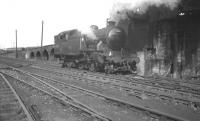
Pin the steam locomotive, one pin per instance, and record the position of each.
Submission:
(102, 50)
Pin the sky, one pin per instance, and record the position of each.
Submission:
(26, 17)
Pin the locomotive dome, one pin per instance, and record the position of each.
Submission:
(116, 38)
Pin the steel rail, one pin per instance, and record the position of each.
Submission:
(132, 88)
(140, 107)
(193, 91)
(77, 105)
(29, 116)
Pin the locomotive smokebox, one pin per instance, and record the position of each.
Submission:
(116, 38)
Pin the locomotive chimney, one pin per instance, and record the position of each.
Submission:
(110, 23)
(94, 27)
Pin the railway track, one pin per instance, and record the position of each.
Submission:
(139, 88)
(15, 62)
(157, 115)
(59, 97)
(168, 81)
(80, 77)
(12, 107)
(181, 86)
(193, 88)
(134, 77)
(156, 81)
(171, 83)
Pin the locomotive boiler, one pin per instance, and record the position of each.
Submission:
(104, 51)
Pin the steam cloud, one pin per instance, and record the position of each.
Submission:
(88, 31)
(121, 7)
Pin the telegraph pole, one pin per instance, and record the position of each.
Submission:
(16, 54)
(42, 35)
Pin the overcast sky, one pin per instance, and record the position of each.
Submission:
(59, 15)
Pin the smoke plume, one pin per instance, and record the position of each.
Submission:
(88, 32)
(122, 7)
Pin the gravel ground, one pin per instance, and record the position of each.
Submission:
(184, 111)
(168, 107)
(106, 107)
(48, 108)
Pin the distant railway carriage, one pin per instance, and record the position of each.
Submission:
(104, 52)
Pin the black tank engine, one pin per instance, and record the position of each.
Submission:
(102, 50)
